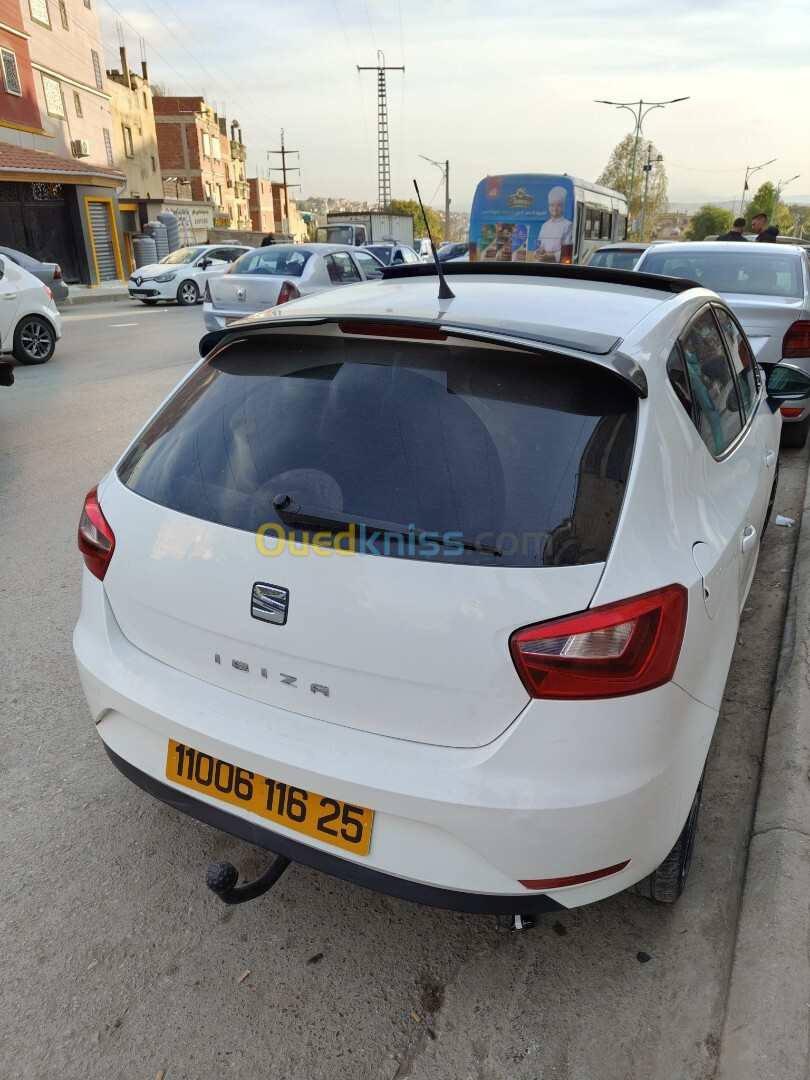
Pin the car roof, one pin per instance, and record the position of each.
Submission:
(572, 308)
(695, 247)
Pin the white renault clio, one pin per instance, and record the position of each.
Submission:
(439, 595)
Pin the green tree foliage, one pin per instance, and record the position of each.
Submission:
(434, 219)
(762, 203)
(617, 174)
(709, 221)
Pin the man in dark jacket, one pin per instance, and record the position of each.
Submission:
(766, 234)
(736, 231)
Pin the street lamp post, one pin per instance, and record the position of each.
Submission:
(639, 112)
(778, 192)
(445, 167)
(749, 171)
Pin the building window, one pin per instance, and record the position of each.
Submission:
(63, 14)
(54, 102)
(129, 149)
(207, 190)
(87, 3)
(11, 77)
(39, 11)
(145, 102)
(77, 102)
(206, 143)
(108, 147)
(154, 164)
(97, 69)
(219, 194)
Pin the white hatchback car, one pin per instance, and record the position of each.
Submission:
(182, 274)
(439, 595)
(30, 322)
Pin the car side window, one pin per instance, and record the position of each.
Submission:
(410, 256)
(346, 269)
(714, 390)
(679, 380)
(369, 265)
(742, 359)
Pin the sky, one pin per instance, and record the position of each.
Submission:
(492, 86)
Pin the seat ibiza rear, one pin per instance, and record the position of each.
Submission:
(406, 591)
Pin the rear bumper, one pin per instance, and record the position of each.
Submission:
(563, 791)
(217, 318)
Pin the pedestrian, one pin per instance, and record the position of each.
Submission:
(736, 231)
(766, 234)
(269, 239)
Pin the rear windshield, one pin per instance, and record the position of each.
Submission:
(617, 260)
(274, 260)
(734, 271)
(526, 454)
(382, 251)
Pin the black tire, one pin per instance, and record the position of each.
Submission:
(794, 436)
(34, 340)
(665, 884)
(149, 303)
(187, 294)
(772, 499)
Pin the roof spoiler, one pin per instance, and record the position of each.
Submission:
(626, 278)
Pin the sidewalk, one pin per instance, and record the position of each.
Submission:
(765, 1032)
(86, 294)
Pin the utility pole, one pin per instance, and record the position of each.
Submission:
(777, 192)
(284, 169)
(647, 170)
(639, 112)
(446, 174)
(383, 161)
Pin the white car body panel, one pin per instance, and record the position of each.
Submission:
(143, 279)
(22, 294)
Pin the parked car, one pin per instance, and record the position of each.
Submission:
(439, 598)
(621, 256)
(767, 286)
(30, 322)
(393, 254)
(275, 275)
(422, 248)
(449, 252)
(49, 273)
(182, 274)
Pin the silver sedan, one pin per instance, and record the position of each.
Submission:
(767, 286)
(278, 273)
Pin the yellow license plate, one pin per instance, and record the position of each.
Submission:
(233, 318)
(338, 823)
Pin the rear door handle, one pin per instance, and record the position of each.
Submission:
(770, 456)
(9, 295)
(748, 537)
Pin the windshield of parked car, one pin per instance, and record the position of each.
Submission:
(525, 454)
(276, 259)
(743, 272)
(183, 255)
(384, 252)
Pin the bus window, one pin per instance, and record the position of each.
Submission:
(604, 233)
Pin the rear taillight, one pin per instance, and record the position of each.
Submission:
(57, 273)
(797, 340)
(96, 539)
(287, 292)
(207, 293)
(610, 651)
(790, 412)
(392, 330)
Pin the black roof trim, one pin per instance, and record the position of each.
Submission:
(631, 278)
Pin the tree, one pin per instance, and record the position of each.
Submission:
(434, 219)
(762, 203)
(617, 174)
(709, 221)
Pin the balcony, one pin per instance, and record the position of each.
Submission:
(238, 151)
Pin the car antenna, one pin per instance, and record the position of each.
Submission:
(445, 292)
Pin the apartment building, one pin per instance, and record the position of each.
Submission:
(58, 200)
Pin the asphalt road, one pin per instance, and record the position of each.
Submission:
(119, 963)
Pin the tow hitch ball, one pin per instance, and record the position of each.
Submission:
(222, 877)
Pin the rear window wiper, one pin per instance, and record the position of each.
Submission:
(291, 513)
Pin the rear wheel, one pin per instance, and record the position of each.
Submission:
(794, 436)
(665, 884)
(187, 294)
(34, 340)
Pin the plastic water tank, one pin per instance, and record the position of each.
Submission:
(169, 219)
(144, 249)
(157, 230)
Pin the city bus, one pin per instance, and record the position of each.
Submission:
(541, 217)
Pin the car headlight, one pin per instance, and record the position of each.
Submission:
(167, 277)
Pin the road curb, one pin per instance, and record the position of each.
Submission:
(765, 1031)
(93, 296)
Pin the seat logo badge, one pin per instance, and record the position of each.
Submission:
(269, 603)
